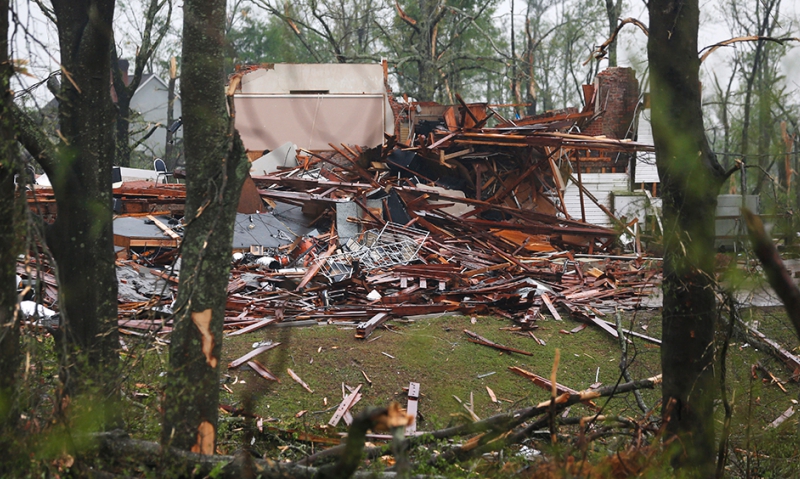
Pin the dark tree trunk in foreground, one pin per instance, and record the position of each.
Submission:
(690, 178)
(215, 167)
(10, 246)
(81, 239)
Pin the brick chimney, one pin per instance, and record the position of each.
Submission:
(616, 96)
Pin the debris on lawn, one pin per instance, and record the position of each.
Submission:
(299, 381)
(413, 403)
(467, 214)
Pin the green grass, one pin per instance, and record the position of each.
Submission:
(435, 352)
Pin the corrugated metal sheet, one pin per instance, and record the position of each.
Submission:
(646, 171)
(600, 185)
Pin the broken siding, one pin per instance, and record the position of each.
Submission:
(646, 171)
(600, 185)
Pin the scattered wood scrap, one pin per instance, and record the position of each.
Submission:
(478, 339)
(413, 404)
(262, 371)
(344, 406)
(546, 384)
(299, 381)
(247, 357)
(790, 360)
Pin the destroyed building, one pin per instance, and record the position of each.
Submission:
(367, 207)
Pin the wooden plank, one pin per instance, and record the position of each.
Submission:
(545, 383)
(346, 403)
(364, 329)
(253, 327)
(413, 403)
(783, 417)
(262, 371)
(166, 229)
(477, 339)
(550, 306)
(247, 357)
(789, 359)
(348, 416)
(314, 269)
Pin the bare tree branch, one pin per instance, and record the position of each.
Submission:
(777, 275)
(752, 38)
(31, 136)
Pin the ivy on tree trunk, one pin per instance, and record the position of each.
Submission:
(215, 169)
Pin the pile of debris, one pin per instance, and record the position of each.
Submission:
(461, 217)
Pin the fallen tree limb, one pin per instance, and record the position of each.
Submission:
(777, 274)
(478, 339)
(500, 422)
(180, 463)
(501, 438)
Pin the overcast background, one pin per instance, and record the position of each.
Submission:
(34, 39)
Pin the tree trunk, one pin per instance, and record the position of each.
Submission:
(690, 179)
(10, 245)
(123, 110)
(123, 126)
(613, 11)
(81, 238)
(169, 149)
(216, 167)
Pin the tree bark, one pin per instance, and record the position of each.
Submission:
(10, 246)
(613, 11)
(216, 167)
(125, 92)
(81, 238)
(170, 158)
(690, 179)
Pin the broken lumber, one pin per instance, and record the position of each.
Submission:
(247, 357)
(478, 339)
(364, 329)
(413, 403)
(253, 327)
(550, 306)
(780, 419)
(790, 360)
(299, 381)
(262, 371)
(546, 384)
(344, 406)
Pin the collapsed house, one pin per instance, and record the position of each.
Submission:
(461, 210)
(367, 208)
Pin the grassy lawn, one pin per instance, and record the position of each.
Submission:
(434, 352)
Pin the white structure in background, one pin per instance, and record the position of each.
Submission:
(311, 105)
(645, 170)
(150, 101)
(613, 190)
(601, 185)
